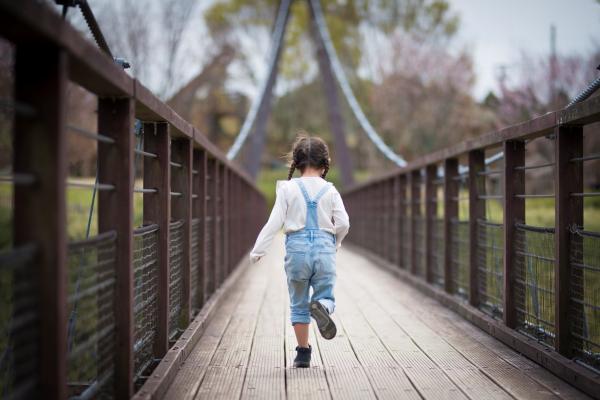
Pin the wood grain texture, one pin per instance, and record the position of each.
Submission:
(392, 343)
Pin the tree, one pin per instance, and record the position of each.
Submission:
(423, 101)
(150, 35)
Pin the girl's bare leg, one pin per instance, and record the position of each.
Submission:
(301, 331)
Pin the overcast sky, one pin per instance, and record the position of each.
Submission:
(496, 31)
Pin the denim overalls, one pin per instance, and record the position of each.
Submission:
(310, 262)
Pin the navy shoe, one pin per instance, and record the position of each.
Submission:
(324, 322)
(302, 359)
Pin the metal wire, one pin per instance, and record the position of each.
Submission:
(585, 296)
(459, 271)
(145, 153)
(91, 290)
(96, 186)
(145, 306)
(527, 167)
(10, 105)
(586, 194)
(175, 164)
(18, 179)
(196, 236)
(490, 266)
(146, 191)
(19, 324)
(595, 156)
(534, 282)
(90, 135)
(175, 277)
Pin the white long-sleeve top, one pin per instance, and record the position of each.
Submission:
(289, 212)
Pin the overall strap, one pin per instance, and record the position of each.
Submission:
(303, 190)
(323, 190)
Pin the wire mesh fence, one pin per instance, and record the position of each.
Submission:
(585, 296)
(175, 277)
(145, 302)
(459, 263)
(91, 322)
(490, 266)
(534, 282)
(437, 251)
(18, 324)
(195, 267)
(419, 245)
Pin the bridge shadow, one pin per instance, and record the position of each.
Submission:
(393, 342)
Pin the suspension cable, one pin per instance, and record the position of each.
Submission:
(347, 90)
(276, 42)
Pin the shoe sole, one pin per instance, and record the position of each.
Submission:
(324, 322)
(301, 365)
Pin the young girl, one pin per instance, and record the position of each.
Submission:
(315, 221)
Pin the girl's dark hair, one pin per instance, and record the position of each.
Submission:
(309, 152)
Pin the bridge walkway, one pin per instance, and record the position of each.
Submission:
(393, 342)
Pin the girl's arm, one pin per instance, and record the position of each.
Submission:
(340, 219)
(273, 225)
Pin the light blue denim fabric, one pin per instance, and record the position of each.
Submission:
(310, 262)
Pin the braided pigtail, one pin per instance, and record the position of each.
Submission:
(325, 171)
(292, 169)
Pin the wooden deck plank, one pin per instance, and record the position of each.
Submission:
(471, 336)
(265, 376)
(387, 378)
(514, 380)
(430, 380)
(188, 379)
(226, 372)
(345, 374)
(393, 342)
(304, 383)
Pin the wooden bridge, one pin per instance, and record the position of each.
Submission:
(438, 296)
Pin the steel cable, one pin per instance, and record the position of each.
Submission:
(276, 41)
(347, 90)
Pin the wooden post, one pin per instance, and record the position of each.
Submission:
(225, 211)
(514, 211)
(402, 258)
(181, 210)
(115, 212)
(568, 213)
(199, 209)
(39, 209)
(450, 213)
(218, 231)
(395, 245)
(209, 234)
(476, 212)
(430, 213)
(157, 210)
(415, 211)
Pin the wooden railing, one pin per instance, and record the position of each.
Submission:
(92, 317)
(456, 226)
